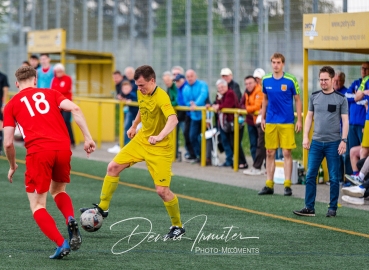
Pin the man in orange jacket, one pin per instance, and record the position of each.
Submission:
(253, 101)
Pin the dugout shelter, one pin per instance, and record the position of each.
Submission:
(343, 32)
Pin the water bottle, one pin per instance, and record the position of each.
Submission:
(321, 175)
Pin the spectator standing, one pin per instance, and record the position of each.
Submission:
(129, 73)
(280, 89)
(171, 88)
(227, 75)
(327, 107)
(4, 88)
(253, 102)
(118, 80)
(34, 61)
(63, 83)
(357, 111)
(195, 93)
(259, 73)
(177, 70)
(130, 112)
(339, 85)
(184, 119)
(226, 99)
(45, 73)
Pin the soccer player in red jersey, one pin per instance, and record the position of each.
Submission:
(36, 112)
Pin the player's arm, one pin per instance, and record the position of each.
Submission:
(10, 151)
(263, 111)
(67, 105)
(298, 104)
(131, 132)
(168, 128)
(307, 127)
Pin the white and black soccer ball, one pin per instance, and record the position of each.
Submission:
(91, 220)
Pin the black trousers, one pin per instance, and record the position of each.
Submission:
(67, 117)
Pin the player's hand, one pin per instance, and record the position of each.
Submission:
(342, 148)
(89, 147)
(298, 126)
(154, 139)
(11, 173)
(306, 143)
(263, 124)
(2, 110)
(131, 132)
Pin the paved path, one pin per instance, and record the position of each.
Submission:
(218, 175)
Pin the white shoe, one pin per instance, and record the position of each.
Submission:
(354, 191)
(353, 200)
(114, 150)
(252, 171)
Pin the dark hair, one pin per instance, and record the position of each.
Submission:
(249, 77)
(117, 72)
(327, 69)
(25, 73)
(147, 72)
(33, 56)
(278, 55)
(26, 63)
(44, 54)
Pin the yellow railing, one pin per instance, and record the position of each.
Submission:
(100, 121)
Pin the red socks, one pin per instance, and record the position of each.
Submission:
(48, 226)
(64, 203)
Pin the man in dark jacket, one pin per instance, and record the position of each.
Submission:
(227, 75)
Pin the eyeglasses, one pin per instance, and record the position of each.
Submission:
(324, 80)
(175, 74)
(364, 68)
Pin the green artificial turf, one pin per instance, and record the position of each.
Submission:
(282, 244)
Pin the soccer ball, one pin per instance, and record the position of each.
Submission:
(91, 220)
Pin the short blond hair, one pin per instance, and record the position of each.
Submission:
(278, 56)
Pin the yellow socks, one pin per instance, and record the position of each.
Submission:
(287, 183)
(173, 211)
(269, 184)
(109, 186)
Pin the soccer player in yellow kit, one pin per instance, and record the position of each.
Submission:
(152, 143)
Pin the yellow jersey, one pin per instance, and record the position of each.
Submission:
(155, 110)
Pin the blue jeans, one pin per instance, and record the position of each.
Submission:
(227, 142)
(128, 119)
(253, 137)
(195, 130)
(319, 150)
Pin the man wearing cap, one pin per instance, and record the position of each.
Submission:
(63, 83)
(259, 73)
(227, 75)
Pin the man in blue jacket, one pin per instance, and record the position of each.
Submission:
(195, 94)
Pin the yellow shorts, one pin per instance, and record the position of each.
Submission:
(158, 160)
(280, 135)
(365, 141)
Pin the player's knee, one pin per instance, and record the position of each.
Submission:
(114, 168)
(270, 153)
(287, 153)
(163, 192)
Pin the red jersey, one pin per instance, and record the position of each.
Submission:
(36, 112)
(63, 85)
